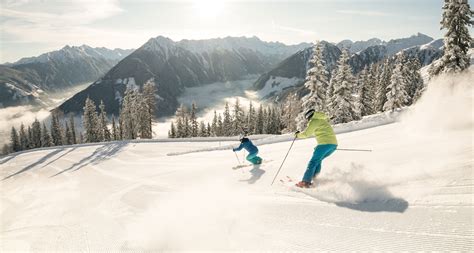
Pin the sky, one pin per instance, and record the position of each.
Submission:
(32, 27)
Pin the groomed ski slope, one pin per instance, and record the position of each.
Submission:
(413, 192)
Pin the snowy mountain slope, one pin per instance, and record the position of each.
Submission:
(412, 193)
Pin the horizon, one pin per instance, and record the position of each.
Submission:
(33, 27)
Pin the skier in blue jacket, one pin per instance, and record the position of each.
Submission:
(251, 148)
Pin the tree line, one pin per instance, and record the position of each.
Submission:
(383, 86)
(233, 121)
(134, 121)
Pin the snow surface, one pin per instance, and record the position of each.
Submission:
(276, 84)
(413, 192)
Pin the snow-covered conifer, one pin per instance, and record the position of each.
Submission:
(227, 121)
(14, 140)
(194, 123)
(72, 125)
(23, 137)
(457, 15)
(214, 125)
(317, 83)
(46, 140)
(238, 121)
(56, 130)
(36, 134)
(385, 74)
(259, 121)
(202, 129)
(396, 91)
(366, 92)
(343, 106)
(104, 132)
(250, 125)
(90, 122)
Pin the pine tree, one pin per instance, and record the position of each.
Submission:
(73, 129)
(68, 134)
(396, 91)
(220, 126)
(30, 137)
(120, 127)
(214, 125)
(227, 121)
(385, 73)
(56, 130)
(172, 132)
(194, 123)
(330, 92)
(366, 92)
(202, 129)
(415, 80)
(115, 130)
(238, 121)
(208, 130)
(179, 128)
(23, 138)
(187, 127)
(36, 134)
(90, 122)
(250, 124)
(343, 103)
(14, 140)
(456, 19)
(259, 122)
(128, 115)
(104, 132)
(149, 90)
(317, 83)
(45, 137)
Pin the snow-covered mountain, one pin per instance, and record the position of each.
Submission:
(292, 71)
(392, 46)
(358, 46)
(22, 81)
(72, 53)
(408, 194)
(177, 65)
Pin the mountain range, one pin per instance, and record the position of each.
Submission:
(23, 82)
(178, 65)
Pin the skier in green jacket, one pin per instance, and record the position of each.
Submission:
(318, 126)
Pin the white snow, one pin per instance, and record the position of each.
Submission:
(277, 84)
(413, 192)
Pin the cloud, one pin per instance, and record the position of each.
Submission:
(14, 116)
(39, 21)
(365, 13)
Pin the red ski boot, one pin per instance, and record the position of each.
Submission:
(303, 184)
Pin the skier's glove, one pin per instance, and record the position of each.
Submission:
(296, 133)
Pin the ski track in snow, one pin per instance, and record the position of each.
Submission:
(414, 192)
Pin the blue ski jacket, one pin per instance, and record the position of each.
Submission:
(248, 145)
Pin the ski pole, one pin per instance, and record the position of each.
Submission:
(236, 156)
(352, 149)
(283, 161)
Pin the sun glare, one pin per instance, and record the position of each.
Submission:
(208, 8)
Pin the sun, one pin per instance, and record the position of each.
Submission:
(208, 8)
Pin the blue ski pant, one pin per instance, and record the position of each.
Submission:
(314, 165)
(253, 158)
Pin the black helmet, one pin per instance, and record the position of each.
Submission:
(309, 114)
